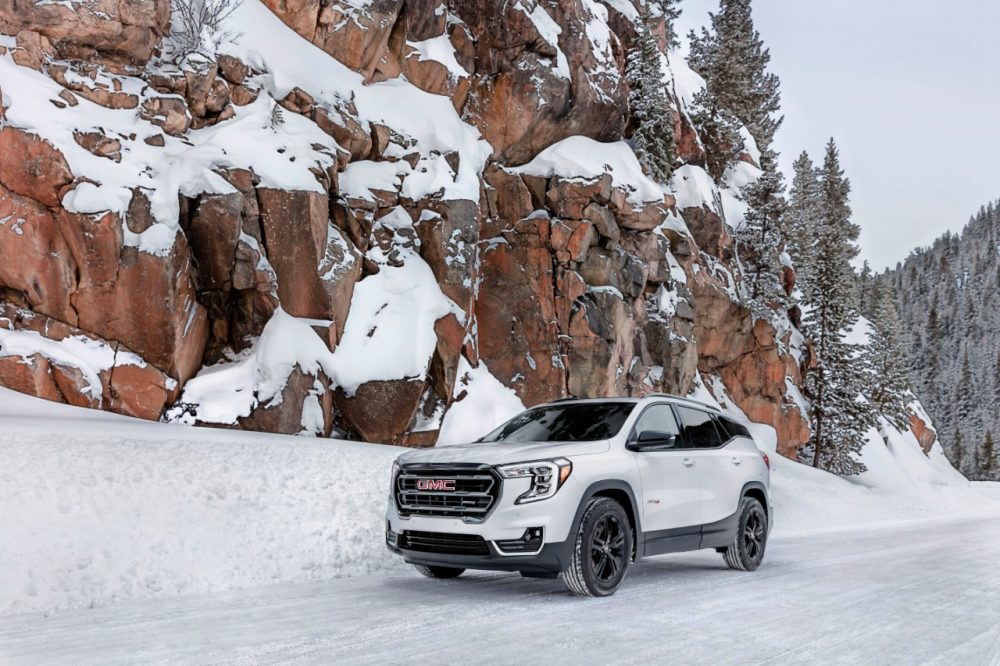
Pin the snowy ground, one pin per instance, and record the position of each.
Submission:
(123, 541)
(913, 595)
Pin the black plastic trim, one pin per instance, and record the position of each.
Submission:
(553, 558)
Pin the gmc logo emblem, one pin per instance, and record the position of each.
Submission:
(436, 484)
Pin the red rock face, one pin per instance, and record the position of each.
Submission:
(567, 286)
(284, 413)
(126, 387)
(39, 264)
(31, 167)
(317, 268)
(925, 434)
(118, 32)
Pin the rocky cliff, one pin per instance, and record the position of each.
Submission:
(377, 218)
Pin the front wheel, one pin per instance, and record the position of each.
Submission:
(746, 552)
(602, 552)
(438, 572)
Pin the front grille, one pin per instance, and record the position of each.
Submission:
(468, 492)
(439, 542)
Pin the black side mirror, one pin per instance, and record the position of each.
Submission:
(653, 440)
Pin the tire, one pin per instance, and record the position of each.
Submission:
(746, 552)
(438, 572)
(602, 552)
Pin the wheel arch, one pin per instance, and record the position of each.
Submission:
(756, 490)
(621, 492)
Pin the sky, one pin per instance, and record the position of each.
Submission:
(910, 90)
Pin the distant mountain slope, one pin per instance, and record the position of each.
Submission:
(949, 300)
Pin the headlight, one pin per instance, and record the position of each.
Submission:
(547, 476)
(392, 477)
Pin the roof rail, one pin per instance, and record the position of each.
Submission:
(682, 398)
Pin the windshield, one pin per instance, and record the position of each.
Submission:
(575, 422)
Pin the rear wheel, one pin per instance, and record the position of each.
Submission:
(602, 552)
(438, 572)
(746, 552)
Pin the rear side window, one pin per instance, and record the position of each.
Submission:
(732, 429)
(698, 429)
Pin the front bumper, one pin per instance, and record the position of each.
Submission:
(550, 560)
(506, 523)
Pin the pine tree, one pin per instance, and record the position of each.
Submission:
(671, 11)
(965, 394)
(652, 116)
(996, 384)
(884, 359)
(802, 219)
(759, 239)
(733, 61)
(840, 419)
(988, 456)
(957, 450)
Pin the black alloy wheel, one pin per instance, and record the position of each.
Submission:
(607, 548)
(603, 550)
(746, 551)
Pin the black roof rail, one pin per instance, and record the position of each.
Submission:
(681, 398)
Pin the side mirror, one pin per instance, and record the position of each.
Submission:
(653, 440)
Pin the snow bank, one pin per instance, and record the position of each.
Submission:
(389, 333)
(225, 392)
(483, 403)
(582, 157)
(102, 510)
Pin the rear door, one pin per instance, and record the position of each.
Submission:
(671, 494)
(722, 469)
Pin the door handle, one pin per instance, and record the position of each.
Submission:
(736, 461)
(688, 462)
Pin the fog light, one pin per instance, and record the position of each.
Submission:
(529, 543)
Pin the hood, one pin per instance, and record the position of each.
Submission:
(500, 453)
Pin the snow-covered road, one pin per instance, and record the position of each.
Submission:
(913, 594)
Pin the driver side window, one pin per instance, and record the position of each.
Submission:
(659, 418)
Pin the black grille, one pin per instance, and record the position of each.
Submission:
(438, 542)
(468, 492)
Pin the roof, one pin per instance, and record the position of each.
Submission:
(670, 396)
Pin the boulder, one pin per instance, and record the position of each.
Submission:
(33, 49)
(170, 113)
(316, 266)
(142, 300)
(32, 167)
(381, 411)
(44, 270)
(284, 413)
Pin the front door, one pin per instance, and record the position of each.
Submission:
(671, 493)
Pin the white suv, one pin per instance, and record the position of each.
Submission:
(582, 488)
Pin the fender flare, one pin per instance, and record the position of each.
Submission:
(601, 486)
(757, 485)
